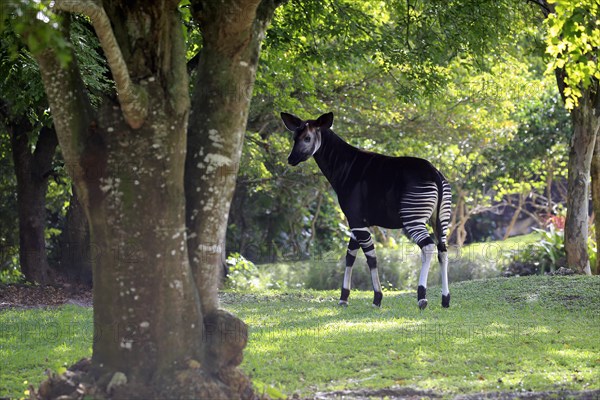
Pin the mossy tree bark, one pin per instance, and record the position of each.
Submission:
(126, 160)
(226, 70)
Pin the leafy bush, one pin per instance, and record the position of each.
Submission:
(548, 254)
(11, 273)
(245, 275)
(399, 267)
(242, 273)
(324, 275)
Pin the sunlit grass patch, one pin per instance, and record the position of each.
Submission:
(501, 334)
(35, 340)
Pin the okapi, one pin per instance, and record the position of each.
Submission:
(378, 190)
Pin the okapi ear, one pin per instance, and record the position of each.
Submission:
(325, 121)
(291, 121)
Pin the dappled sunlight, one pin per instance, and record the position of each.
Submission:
(482, 342)
(492, 338)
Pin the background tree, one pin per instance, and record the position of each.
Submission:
(595, 171)
(41, 213)
(573, 42)
(33, 143)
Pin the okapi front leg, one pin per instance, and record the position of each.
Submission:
(353, 247)
(363, 236)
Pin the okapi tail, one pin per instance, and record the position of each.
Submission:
(444, 210)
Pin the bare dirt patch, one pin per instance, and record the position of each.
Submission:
(32, 296)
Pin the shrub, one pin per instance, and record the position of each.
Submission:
(242, 273)
(548, 254)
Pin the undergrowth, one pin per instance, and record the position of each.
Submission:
(399, 265)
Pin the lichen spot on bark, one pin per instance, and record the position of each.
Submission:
(177, 285)
(215, 138)
(126, 343)
(215, 161)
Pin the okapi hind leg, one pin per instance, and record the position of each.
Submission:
(426, 255)
(353, 247)
(363, 236)
(443, 259)
(416, 210)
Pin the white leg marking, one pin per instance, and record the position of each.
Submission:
(444, 271)
(348, 278)
(370, 253)
(375, 279)
(426, 254)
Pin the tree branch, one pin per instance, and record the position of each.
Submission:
(133, 98)
(543, 5)
(71, 110)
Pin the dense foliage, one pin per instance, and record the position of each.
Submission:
(428, 79)
(493, 124)
(573, 41)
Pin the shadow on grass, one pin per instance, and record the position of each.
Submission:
(514, 334)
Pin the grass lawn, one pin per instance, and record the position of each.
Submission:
(35, 340)
(505, 334)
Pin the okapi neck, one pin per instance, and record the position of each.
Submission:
(335, 158)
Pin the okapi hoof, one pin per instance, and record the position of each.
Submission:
(446, 301)
(421, 297)
(377, 299)
(343, 303)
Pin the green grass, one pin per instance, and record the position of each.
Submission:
(34, 340)
(532, 333)
(505, 334)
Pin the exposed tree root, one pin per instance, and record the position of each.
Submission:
(193, 382)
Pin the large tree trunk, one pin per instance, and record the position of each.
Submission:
(226, 72)
(146, 303)
(596, 198)
(127, 163)
(586, 122)
(32, 170)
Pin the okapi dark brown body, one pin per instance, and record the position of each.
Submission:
(378, 190)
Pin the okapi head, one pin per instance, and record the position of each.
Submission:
(307, 135)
